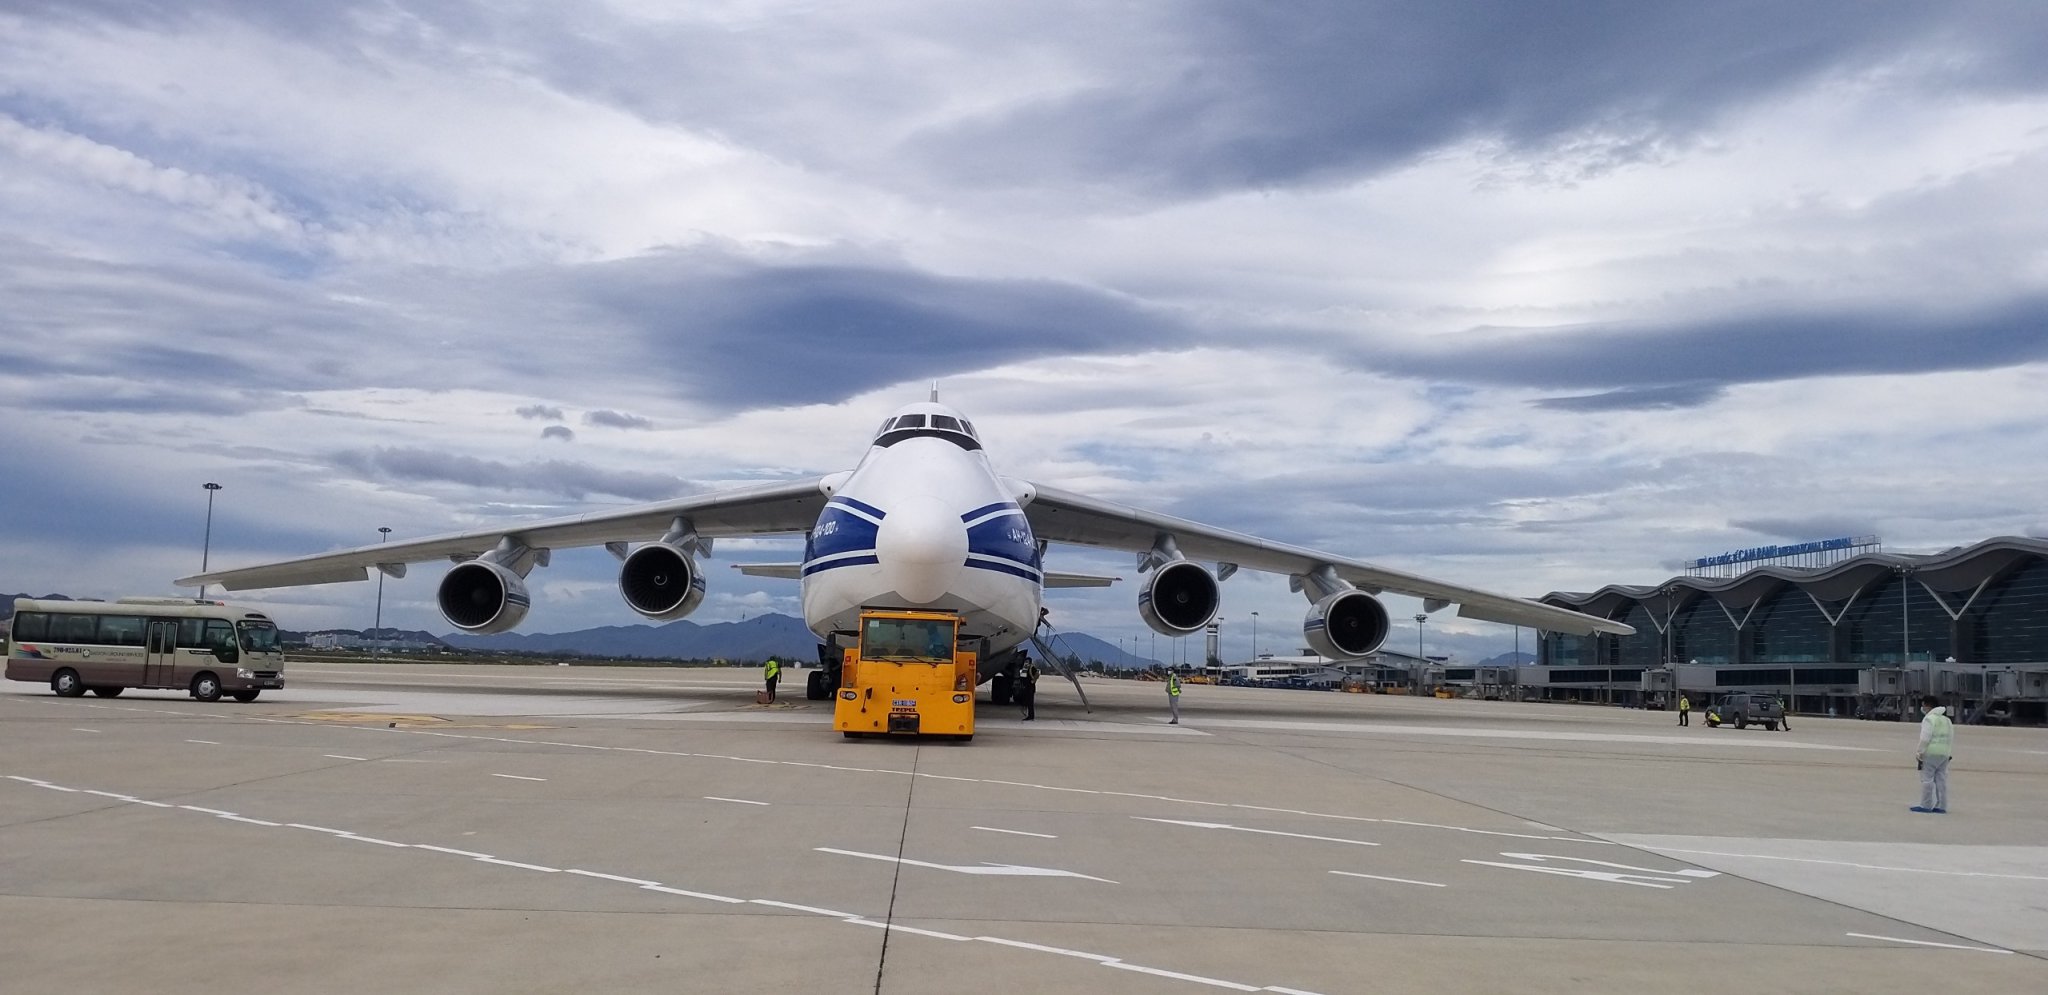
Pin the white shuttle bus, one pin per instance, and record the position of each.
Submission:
(206, 648)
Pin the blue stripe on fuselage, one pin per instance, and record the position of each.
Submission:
(850, 561)
(1006, 537)
(856, 505)
(985, 509)
(1005, 568)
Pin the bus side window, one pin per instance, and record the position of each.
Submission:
(74, 628)
(121, 630)
(31, 625)
(191, 633)
(219, 635)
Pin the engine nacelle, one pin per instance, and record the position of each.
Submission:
(661, 581)
(483, 598)
(1178, 599)
(1346, 625)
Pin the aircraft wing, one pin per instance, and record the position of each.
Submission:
(766, 509)
(1063, 516)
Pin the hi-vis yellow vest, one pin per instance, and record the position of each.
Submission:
(1942, 741)
(1173, 686)
(772, 670)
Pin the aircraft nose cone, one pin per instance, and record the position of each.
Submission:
(921, 545)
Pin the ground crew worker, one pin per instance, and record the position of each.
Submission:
(1027, 690)
(1937, 744)
(1173, 696)
(770, 672)
(1684, 710)
(1784, 716)
(1713, 718)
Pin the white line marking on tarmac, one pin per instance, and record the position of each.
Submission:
(737, 801)
(1854, 864)
(1177, 976)
(1016, 832)
(812, 909)
(77, 729)
(203, 742)
(607, 877)
(664, 889)
(514, 863)
(1248, 829)
(1041, 948)
(933, 933)
(338, 756)
(986, 868)
(1928, 943)
(871, 770)
(1376, 877)
(518, 777)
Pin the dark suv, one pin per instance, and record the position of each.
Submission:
(1743, 708)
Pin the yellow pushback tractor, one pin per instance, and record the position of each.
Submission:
(906, 675)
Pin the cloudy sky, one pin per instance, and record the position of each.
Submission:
(1534, 299)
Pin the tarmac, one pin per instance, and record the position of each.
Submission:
(450, 828)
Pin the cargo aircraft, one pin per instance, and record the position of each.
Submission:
(925, 522)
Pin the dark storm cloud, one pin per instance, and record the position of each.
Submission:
(1255, 95)
(1637, 398)
(547, 411)
(559, 477)
(604, 418)
(562, 432)
(742, 335)
(1802, 529)
(1677, 364)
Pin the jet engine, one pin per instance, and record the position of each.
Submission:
(1345, 625)
(1179, 598)
(483, 597)
(661, 581)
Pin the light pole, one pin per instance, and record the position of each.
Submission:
(384, 535)
(1420, 621)
(206, 546)
(1255, 637)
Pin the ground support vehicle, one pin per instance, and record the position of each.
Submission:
(206, 648)
(1744, 709)
(906, 675)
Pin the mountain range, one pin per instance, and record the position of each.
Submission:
(755, 638)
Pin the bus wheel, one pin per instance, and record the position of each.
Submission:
(108, 692)
(206, 687)
(66, 683)
(245, 696)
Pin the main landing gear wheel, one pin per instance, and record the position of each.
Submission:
(65, 683)
(206, 687)
(999, 689)
(814, 686)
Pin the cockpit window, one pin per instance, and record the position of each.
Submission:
(909, 421)
(946, 422)
(968, 427)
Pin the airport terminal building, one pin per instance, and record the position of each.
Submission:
(1855, 636)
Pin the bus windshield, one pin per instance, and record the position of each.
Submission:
(259, 637)
(907, 639)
